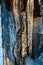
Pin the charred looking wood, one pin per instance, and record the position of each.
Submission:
(8, 4)
(22, 5)
(36, 9)
(25, 4)
(0, 2)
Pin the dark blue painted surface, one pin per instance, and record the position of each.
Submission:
(9, 32)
